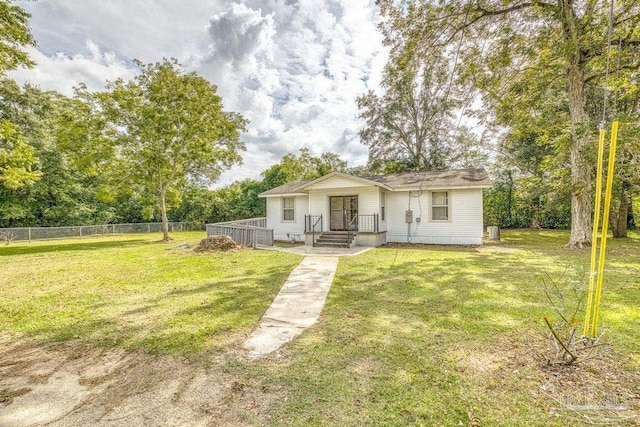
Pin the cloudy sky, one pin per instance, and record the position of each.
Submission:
(293, 68)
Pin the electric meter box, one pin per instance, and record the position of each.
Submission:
(408, 216)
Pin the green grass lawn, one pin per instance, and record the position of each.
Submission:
(417, 336)
(129, 291)
(454, 336)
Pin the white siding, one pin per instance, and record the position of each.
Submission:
(337, 182)
(465, 227)
(383, 223)
(368, 201)
(282, 228)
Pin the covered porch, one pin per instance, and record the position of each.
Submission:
(363, 223)
(361, 230)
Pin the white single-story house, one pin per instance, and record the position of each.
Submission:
(434, 207)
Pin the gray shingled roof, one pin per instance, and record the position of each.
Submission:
(455, 178)
(288, 188)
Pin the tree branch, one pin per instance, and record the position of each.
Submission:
(559, 341)
(628, 67)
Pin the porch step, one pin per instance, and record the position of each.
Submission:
(335, 240)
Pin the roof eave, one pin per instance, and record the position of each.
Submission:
(457, 187)
(344, 175)
(282, 195)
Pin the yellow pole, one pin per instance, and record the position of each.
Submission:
(594, 235)
(605, 227)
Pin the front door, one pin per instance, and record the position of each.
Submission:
(344, 212)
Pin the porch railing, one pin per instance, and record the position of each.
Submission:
(315, 224)
(251, 222)
(368, 223)
(243, 233)
(363, 223)
(352, 228)
(309, 221)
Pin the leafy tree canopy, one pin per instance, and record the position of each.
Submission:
(15, 35)
(168, 128)
(522, 54)
(17, 158)
(303, 166)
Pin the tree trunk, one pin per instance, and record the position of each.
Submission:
(631, 221)
(535, 223)
(619, 219)
(580, 168)
(165, 220)
(535, 220)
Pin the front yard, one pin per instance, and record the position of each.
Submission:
(409, 336)
(454, 336)
(133, 292)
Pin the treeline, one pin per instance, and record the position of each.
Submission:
(152, 147)
(67, 188)
(240, 199)
(57, 169)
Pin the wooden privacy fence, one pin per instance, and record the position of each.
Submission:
(243, 232)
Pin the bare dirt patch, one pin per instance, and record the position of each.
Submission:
(603, 390)
(217, 243)
(598, 391)
(78, 386)
(7, 394)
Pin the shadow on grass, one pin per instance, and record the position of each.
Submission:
(456, 289)
(428, 336)
(173, 321)
(63, 247)
(463, 292)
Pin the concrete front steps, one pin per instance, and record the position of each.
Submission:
(335, 239)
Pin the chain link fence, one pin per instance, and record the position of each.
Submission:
(43, 233)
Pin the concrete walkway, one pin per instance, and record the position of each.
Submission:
(310, 250)
(296, 307)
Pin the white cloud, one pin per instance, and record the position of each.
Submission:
(240, 33)
(62, 73)
(144, 29)
(309, 61)
(294, 68)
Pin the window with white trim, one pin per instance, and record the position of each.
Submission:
(383, 202)
(288, 208)
(440, 206)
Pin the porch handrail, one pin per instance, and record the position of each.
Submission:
(313, 229)
(309, 221)
(351, 228)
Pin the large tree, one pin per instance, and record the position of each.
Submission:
(412, 122)
(17, 157)
(168, 128)
(562, 40)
